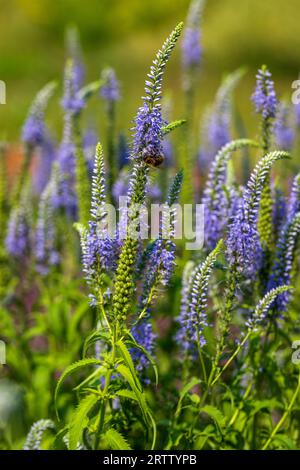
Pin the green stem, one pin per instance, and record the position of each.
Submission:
(237, 411)
(240, 346)
(284, 416)
(105, 390)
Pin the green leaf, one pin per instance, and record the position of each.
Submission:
(79, 420)
(129, 363)
(126, 394)
(93, 338)
(216, 415)
(194, 381)
(116, 441)
(172, 126)
(266, 405)
(125, 372)
(70, 370)
(284, 441)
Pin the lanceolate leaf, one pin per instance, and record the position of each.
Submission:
(116, 440)
(80, 419)
(70, 370)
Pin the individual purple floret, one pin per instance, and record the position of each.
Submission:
(110, 90)
(284, 133)
(264, 96)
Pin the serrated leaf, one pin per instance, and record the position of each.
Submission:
(116, 440)
(70, 370)
(79, 420)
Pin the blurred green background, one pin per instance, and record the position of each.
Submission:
(126, 33)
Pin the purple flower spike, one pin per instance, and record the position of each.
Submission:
(110, 90)
(284, 133)
(264, 96)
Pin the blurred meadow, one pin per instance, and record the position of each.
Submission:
(124, 34)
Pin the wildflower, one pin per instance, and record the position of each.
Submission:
(216, 132)
(99, 250)
(66, 196)
(72, 101)
(147, 137)
(264, 305)
(284, 133)
(18, 232)
(243, 242)
(46, 252)
(191, 42)
(148, 123)
(42, 170)
(193, 316)
(75, 54)
(264, 96)
(34, 130)
(35, 435)
(110, 90)
(281, 271)
(293, 205)
(217, 201)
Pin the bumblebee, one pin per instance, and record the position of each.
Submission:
(152, 158)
